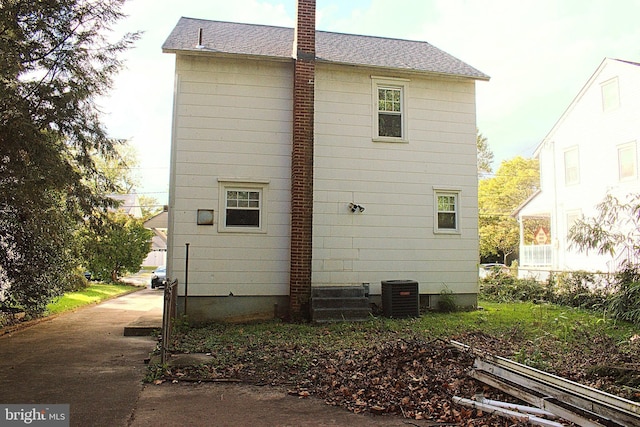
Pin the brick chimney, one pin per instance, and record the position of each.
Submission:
(304, 53)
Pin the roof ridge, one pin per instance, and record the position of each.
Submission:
(317, 31)
(270, 41)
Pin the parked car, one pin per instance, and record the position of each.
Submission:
(493, 267)
(159, 278)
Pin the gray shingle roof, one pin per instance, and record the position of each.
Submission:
(230, 38)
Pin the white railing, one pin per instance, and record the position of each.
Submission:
(536, 256)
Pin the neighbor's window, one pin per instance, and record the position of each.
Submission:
(242, 208)
(627, 161)
(571, 166)
(610, 95)
(572, 218)
(446, 211)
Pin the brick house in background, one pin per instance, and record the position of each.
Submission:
(303, 158)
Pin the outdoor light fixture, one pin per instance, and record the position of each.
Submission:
(356, 208)
(205, 216)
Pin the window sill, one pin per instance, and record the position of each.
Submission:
(392, 140)
(446, 232)
(241, 230)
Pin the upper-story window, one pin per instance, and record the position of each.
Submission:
(627, 161)
(571, 166)
(390, 112)
(610, 94)
(390, 118)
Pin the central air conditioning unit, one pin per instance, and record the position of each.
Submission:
(400, 298)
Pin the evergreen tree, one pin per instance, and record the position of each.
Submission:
(56, 61)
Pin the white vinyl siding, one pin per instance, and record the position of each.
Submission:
(232, 130)
(393, 238)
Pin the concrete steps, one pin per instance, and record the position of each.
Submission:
(339, 304)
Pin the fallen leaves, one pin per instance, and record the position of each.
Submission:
(397, 375)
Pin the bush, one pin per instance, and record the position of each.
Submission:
(580, 289)
(624, 302)
(76, 281)
(504, 287)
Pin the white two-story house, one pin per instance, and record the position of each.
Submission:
(591, 151)
(305, 158)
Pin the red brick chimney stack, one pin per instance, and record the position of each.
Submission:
(304, 53)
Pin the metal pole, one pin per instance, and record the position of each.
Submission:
(186, 277)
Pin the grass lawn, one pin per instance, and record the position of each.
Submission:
(527, 321)
(95, 293)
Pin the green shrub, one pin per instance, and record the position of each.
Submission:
(76, 282)
(447, 301)
(624, 302)
(580, 289)
(504, 287)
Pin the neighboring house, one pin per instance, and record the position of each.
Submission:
(350, 161)
(591, 151)
(129, 204)
(158, 224)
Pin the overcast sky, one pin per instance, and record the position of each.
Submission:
(539, 54)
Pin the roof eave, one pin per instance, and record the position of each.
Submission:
(211, 53)
(217, 54)
(405, 70)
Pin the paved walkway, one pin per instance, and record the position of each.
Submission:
(84, 359)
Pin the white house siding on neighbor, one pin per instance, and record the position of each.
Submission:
(588, 140)
(232, 121)
(394, 181)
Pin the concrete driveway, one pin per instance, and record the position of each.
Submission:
(83, 359)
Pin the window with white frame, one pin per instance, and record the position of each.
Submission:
(447, 211)
(610, 94)
(572, 217)
(627, 161)
(242, 207)
(571, 166)
(390, 115)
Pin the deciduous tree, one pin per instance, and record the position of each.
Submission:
(118, 247)
(514, 182)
